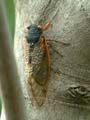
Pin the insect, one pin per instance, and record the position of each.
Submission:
(39, 61)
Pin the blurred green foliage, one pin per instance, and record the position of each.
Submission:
(10, 14)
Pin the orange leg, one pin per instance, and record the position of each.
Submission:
(47, 25)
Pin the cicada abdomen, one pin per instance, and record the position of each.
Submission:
(39, 62)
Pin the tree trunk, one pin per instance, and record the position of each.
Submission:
(68, 95)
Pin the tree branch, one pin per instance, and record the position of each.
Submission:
(11, 93)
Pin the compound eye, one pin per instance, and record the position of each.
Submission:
(40, 27)
(28, 27)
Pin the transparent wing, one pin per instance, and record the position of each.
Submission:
(40, 67)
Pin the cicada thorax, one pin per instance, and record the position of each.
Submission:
(40, 70)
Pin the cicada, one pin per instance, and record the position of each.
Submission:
(39, 61)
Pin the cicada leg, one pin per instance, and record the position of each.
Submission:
(62, 43)
(55, 50)
(47, 25)
(59, 42)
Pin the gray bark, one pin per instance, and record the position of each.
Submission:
(69, 90)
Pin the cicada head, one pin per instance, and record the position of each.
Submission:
(34, 33)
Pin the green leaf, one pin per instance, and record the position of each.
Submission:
(10, 15)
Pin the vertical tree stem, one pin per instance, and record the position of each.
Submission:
(11, 93)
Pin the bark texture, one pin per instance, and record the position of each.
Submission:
(69, 90)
